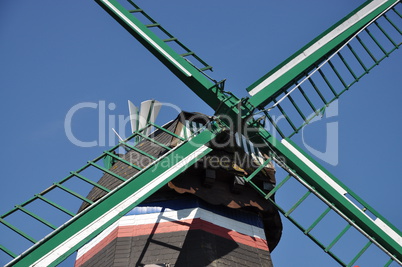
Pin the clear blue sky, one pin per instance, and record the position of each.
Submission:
(55, 54)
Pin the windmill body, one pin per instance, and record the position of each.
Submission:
(207, 215)
(362, 80)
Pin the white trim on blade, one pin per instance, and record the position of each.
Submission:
(320, 43)
(313, 167)
(146, 37)
(383, 226)
(98, 223)
(394, 235)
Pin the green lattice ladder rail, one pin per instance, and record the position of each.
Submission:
(338, 58)
(64, 238)
(322, 48)
(169, 38)
(308, 228)
(308, 92)
(205, 87)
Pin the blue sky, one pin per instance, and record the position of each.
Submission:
(57, 54)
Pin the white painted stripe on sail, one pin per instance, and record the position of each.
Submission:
(320, 43)
(146, 37)
(313, 167)
(388, 230)
(96, 240)
(394, 235)
(58, 251)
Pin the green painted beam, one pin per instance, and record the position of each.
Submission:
(267, 87)
(186, 72)
(335, 192)
(61, 243)
(221, 102)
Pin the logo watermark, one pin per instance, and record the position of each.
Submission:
(331, 152)
(108, 120)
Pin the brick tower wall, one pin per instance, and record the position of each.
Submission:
(183, 232)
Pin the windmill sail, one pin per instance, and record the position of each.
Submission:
(177, 62)
(104, 205)
(302, 86)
